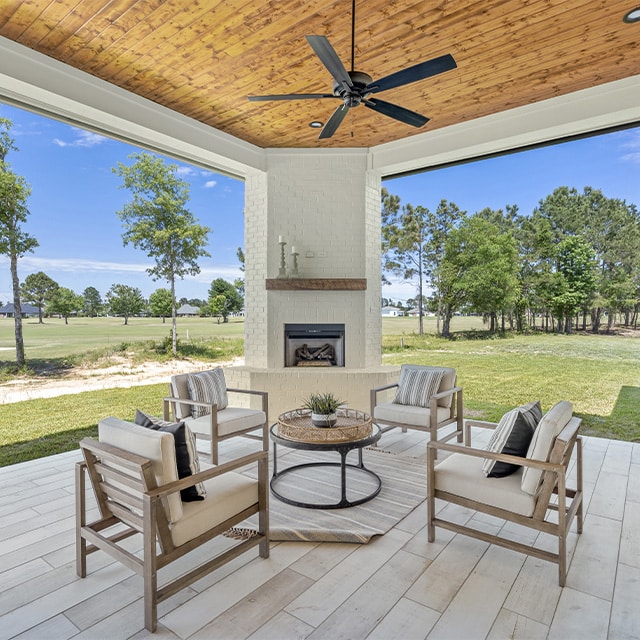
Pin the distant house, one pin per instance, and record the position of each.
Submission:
(188, 310)
(28, 310)
(391, 312)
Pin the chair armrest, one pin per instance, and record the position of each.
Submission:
(476, 423)
(446, 392)
(373, 395)
(206, 474)
(193, 403)
(491, 455)
(263, 394)
(384, 387)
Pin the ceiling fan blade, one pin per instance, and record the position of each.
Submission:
(334, 122)
(292, 96)
(396, 112)
(413, 74)
(330, 60)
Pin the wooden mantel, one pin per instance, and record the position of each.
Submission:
(322, 284)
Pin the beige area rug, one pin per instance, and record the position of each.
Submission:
(403, 489)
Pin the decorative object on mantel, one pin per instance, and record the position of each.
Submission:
(323, 407)
(294, 255)
(321, 284)
(282, 272)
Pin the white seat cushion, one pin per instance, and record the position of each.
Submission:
(230, 420)
(227, 495)
(405, 414)
(157, 446)
(462, 475)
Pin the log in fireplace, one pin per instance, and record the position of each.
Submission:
(314, 345)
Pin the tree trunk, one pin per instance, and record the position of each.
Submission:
(66, 319)
(17, 311)
(40, 321)
(446, 323)
(126, 319)
(174, 325)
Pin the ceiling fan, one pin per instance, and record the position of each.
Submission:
(356, 87)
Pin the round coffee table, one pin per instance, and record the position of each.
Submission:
(354, 430)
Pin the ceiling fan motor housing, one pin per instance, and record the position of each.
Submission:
(354, 95)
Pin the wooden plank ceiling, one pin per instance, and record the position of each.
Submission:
(203, 58)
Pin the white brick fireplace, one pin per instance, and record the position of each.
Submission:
(326, 205)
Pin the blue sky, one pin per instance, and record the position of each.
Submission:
(75, 196)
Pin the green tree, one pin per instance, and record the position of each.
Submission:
(14, 242)
(217, 306)
(232, 303)
(125, 301)
(611, 227)
(575, 280)
(65, 302)
(38, 288)
(405, 237)
(440, 224)
(160, 303)
(158, 222)
(480, 267)
(92, 302)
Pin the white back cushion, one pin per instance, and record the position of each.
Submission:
(548, 429)
(157, 446)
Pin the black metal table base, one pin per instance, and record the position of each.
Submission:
(342, 465)
(342, 449)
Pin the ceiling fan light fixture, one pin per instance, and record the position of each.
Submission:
(632, 16)
(316, 124)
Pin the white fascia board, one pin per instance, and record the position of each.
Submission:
(39, 83)
(609, 105)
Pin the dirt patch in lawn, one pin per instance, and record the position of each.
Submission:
(121, 374)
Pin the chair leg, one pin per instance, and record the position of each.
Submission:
(150, 572)
(562, 559)
(81, 543)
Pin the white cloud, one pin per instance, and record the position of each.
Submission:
(631, 142)
(79, 265)
(186, 171)
(82, 139)
(209, 184)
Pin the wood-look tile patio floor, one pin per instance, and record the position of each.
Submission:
(396, 587)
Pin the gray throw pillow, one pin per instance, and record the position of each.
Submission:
(207, 386)
(417, 386)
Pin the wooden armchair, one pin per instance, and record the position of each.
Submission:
(208, 414)
(134, 477)
(416, 407)
(524, 497)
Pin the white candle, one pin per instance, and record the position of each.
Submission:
(293, 249)
(280, 240)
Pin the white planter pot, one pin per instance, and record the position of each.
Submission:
(323, 420)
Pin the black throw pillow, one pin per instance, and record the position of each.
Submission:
(184, 459)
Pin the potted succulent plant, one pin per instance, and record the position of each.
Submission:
(323, 407)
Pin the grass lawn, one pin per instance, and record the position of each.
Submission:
(56, 340)
(600, 375)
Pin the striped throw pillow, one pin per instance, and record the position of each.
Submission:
(512, 436)
(416, 386)
(207, 386)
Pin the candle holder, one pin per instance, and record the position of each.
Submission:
(282, 272)
(294, 270)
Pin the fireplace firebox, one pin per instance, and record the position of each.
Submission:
(314, 345)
